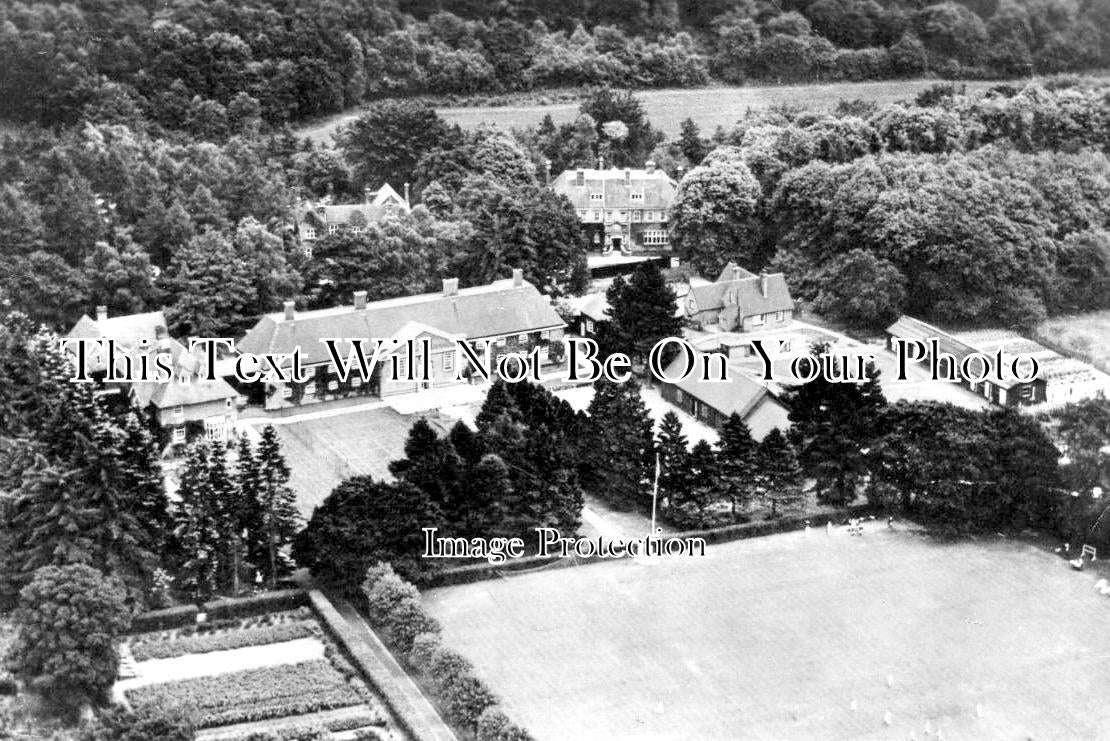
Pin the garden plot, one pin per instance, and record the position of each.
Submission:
(267, 673)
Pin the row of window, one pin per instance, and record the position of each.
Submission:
(758, 319)
(215, 428)
(622, 216)
(310, 231)
(179, 410)
(636, 195)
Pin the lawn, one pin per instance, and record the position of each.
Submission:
(1084, 335)
(709, 107)
(796, 637)
(323, 452)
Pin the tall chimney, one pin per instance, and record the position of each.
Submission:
(288, 306)
(627, 176)
(159, 332)
(650, 167)
(763, 284)
(580, 178)
(407, 204)
(450, 286)
(368, 194)
(738, 273)
(518, 277)
(101, 313)
(681, 170)
(360, 299)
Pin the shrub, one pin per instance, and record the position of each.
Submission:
(465, 699)
(171, 617)
(408, 620)
(494, 725)
(375, 573)
(423, 647)
(388, 592)
(447, 667)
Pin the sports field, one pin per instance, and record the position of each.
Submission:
(888, 636)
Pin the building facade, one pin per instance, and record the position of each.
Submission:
(621, 210)
(510, 314)
(741, 301)
(318, 220)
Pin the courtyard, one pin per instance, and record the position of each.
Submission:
(892, 635)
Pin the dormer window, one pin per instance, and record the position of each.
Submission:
(636, 196)
(597, 197)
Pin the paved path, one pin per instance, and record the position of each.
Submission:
(402, 681)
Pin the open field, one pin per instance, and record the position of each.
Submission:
(1084, 335)
(796, 637)
(709, 107)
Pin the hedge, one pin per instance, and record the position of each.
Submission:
(201, 643)
(482, 571)
(167, 619)
(240, 607)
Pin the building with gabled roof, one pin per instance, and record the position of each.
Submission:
(713, 402)
(740, 301)
(189, 406)
(317, 220)
(621, 210)
(130, 331)
(512, 314)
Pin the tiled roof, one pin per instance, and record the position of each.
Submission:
(760, 294)
(128, 330)
(740, 394)
(500, 308)
(731, 271)
(617, 187)
(193, 390)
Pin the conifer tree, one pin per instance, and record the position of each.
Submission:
(143, 479)
(674, 455)
(247, 485)
(227, 517)
(618, 451)
(779, 472)
(199, 527)
(278, 516)
(737, 456)
(641, 312)
(497, 402)
(703, 480)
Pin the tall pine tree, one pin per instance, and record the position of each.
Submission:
(277, 508)
(618, 451)
(674, 459)
(779, 473)
(737, 456)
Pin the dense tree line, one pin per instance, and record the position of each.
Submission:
(953, 208)
(212, 67)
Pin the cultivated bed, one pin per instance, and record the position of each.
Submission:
(796, 637)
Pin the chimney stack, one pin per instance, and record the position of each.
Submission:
(681, 170)
(518, 277)
(288, 306)
(450, 286)
(159, 332)
(627, 176)
(650, 167)
(360, 299)
(738, 273)
(763, 283)
(407, 204)
(101, 313)
(580, 178)
(368, 194)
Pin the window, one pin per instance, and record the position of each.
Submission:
(678, 395)
(178, 410)
(636, 196)
(214, 428)
(310, 389)
(582, 215)
(637, 215)
(654, 237)
(622, 216)
(178, 435)
(229, 402)
(595, 216)
(757, 319)
(598, 197)
(333, 385)
(356, 230)
(286, 392)
(663, 217)
(356, 381)
(522, 338)
(333, 228)
(608, 215)
(778, 316)
(448, 361)
(649, 216)
(310, 232)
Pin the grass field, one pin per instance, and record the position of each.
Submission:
(1083, 334)
(709, 107)
(796, 637)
